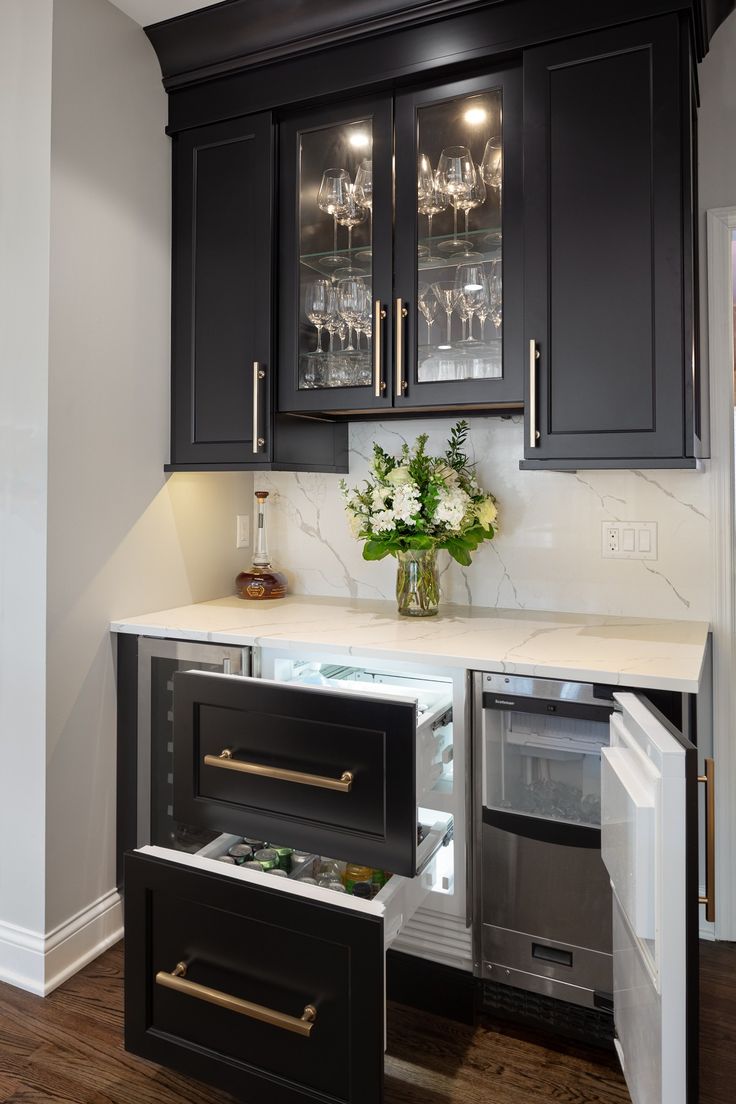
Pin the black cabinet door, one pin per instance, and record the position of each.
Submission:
(605, 247)
(330, 772)
(254, 962)
(221, 338)
(442, 357)
(335, 258)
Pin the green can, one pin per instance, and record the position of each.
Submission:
(267, 857)
(284, 854)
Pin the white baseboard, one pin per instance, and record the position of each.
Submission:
(39, 963)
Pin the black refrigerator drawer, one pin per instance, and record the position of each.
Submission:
(268, 995)
(329, 771)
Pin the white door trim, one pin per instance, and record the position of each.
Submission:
(720, 224)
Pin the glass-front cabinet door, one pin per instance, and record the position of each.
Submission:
(457, 305)
(336, 257)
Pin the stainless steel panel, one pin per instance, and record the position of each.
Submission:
(184, 651)
(581, 693)
(535, 983)
(560, 893)
(592, 970)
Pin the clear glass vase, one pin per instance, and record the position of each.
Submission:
(417, 584)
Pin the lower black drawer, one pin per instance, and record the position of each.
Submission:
(273, 993)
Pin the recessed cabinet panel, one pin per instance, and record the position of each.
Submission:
(603, 233)
(243, 945)
(222, 291)
(457, 308)
(329, 771)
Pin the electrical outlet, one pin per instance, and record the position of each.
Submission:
(242, 530)
(629, 540)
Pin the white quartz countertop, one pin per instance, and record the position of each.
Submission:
(626, 651)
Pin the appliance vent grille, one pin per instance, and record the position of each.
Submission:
(587, 1025)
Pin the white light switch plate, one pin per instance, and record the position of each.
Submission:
(629, 540)
(242, 530)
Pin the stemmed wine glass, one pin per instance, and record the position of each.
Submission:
(476, 197)
(447, 298)
(430, 201)
(492, 163)
(351, 214)
(471, 286)
(363, 190)
(495, 288)
(429, 306)
(352, 296)
(332, 198)
(455, 178)
(317, 306)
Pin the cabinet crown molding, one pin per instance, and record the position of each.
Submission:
(243, 34)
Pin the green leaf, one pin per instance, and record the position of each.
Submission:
(375, 550)
(459, 551)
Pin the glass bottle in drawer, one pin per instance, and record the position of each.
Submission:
(545, 766)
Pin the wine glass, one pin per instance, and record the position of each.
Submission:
(317, 306)
(447, 298)
(495, 289)
(352, 296)
(331, 198)
(492, 163)
(430, 201)
(471, 285)
(455, 177)
(429, 306)
(350, 215)
(476, 197)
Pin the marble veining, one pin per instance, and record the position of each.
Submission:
(628, 651)
(547, 555)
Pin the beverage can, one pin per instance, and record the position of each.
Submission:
(267, 858)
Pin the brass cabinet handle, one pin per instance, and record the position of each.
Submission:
(258, 375)
(379, 384)
(709, 781)
(533, 358)
(401, 314)
(343, 784)
(177, 980)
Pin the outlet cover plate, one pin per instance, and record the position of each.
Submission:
(629, 540)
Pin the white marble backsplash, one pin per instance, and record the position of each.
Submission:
(547, 555)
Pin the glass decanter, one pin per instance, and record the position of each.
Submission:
(262, 581)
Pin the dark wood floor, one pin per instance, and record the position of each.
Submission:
(67, 1049)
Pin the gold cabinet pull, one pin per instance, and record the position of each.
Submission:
(258, 375)
(343, 784)
(379, 384)
(533, 358)
(177, 980)
(709, 781)
(401, 314)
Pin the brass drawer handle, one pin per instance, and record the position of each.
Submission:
(176, 980)
(225, 759)
(709, 781)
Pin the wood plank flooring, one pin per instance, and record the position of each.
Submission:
(68, 1049)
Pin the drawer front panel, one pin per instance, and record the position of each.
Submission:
(263, 948)
(331, 772)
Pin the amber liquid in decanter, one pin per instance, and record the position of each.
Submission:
(262, 581)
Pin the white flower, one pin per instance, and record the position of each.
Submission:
(355, 521)
(382, 521)
(398, 476)
(379, 496)
(451, 508)
(447, 474)
(486, 512)
(406, 502)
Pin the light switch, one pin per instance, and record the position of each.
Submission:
(242, 530)
(627, 540)
(645, 540)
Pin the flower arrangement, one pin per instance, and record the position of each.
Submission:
(417, 502)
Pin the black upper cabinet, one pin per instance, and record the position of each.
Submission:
(412, 302)
(606, 199)
(221, 339)
(222, 412)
